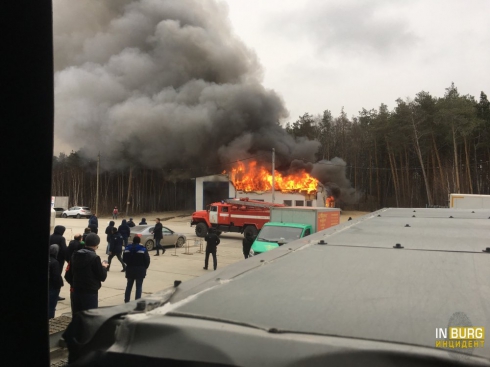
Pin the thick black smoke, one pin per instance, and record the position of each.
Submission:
(162, 83)
(166, 84)
(332, 175)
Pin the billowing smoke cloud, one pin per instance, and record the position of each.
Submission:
(332, 175)
(167, 84)
(162, 83)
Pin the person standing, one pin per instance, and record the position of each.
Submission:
(86, 274)
(114, 213)
(212, 241)
(137, 261)
(55, 280)
(116, 248)
(93, 224)
(74, 246)
(158, 235)
(57, 239)
(247, 243)
(86, 232)
(143, 222)
(131, 223)
(125, 231)
(108, 232)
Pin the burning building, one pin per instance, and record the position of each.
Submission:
(254, 181)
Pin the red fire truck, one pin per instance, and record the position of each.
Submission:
(233, 215)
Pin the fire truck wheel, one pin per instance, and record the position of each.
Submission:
(250, 231)
(201, 230)
(149, 245)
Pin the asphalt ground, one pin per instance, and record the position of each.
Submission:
(176, 264)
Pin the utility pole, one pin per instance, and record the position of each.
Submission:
(97, 189)
(273, 170)
(129, 189)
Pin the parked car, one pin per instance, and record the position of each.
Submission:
(170, 238)
(59, 212)
(77, 212)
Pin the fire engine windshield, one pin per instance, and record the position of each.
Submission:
(274, 234)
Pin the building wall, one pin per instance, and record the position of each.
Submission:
(290, 199)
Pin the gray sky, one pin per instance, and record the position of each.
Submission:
(320, 54)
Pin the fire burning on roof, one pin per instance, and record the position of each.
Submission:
(252, 177)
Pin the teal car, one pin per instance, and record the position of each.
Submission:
(275, 234)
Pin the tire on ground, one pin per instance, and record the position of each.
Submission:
(201, 229)
(180, 241)
(250, 231)
(149, 245)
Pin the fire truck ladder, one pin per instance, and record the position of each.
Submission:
(252, 203)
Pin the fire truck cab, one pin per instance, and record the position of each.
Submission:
(233, 215)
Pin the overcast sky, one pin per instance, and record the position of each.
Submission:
(320, 54)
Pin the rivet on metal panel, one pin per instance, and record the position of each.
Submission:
(407, 225)
(322, 242)
(398, 246)
(487, 250)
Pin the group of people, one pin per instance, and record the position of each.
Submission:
(85, 271)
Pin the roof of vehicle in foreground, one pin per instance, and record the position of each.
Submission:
(345, 294)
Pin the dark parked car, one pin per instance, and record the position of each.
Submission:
(59, 212)
(170, 238)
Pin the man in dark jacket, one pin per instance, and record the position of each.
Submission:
(115, 248)
(55, 280)
(57, 239)
(125, 231)
(108, 232)
(131, 223)
(212, 241)
(247, 243)
(93, 224)
(74, 246)
(143, 222)
(85, 275)
(137, 260)
(158, 235)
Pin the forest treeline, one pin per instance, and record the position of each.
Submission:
(413, 156)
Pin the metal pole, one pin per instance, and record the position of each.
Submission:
(97, 189)
(273, 170)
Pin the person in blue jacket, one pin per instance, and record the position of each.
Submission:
(137, 261)
(93, 224)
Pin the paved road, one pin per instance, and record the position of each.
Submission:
(163, 270)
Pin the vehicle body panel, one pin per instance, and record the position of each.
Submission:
(273, 234)
(170, 238)
(343, 295)
(78, 211)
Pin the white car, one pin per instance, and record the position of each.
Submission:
(77, 212)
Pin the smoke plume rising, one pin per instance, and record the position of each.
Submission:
(164, 84)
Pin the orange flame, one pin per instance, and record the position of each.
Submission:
(256, 178)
